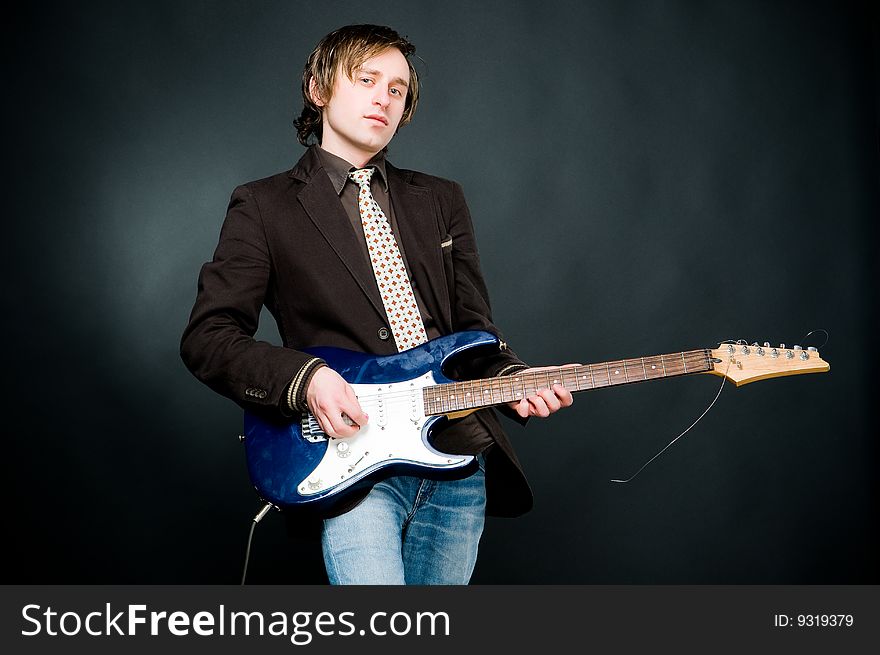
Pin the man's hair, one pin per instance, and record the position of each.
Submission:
(344, 50)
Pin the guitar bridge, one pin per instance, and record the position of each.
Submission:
(311, 430)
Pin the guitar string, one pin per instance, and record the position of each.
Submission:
(827, 336)
(696, 357)
(691, 357)
(706, 411)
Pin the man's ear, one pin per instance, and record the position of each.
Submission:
(313, 93)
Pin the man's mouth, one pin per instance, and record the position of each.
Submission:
(377, 117)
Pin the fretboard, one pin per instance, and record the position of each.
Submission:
(472, 394)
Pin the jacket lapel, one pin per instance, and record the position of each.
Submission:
(420, 235)
(321, 203)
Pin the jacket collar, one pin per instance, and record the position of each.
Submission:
(420, 226)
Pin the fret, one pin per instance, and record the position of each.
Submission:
(506, 394)
(572, 383)
(528, 384)
(453, 396)
(684, 362)
(600, 382)
(582, 378)
(516, 386)
(652, 363)
(486, 392)
(625, 373)
(570, 379)
(614, 377)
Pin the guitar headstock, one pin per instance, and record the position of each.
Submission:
(741, 363)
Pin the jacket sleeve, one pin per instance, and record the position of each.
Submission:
(471, 309)
(217, 344)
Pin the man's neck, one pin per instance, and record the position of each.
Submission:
(353, 156)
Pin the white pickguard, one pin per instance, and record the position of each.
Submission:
(394, 434)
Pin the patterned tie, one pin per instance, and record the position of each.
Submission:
(394, 287)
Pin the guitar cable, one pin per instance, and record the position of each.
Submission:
(257, 518)
(660, 452)
(705, 411)
(714, 400)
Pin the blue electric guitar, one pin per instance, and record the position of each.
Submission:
(408, 396)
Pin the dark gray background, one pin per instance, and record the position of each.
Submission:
(711, 171)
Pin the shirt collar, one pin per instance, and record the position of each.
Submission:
(337, 168)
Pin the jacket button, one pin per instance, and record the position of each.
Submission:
(384, 333)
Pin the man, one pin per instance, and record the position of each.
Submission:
(305, 244)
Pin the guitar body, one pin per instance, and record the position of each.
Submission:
(294, 465)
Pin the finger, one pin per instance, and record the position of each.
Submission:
(549, 396)
(521, 408)
(539, 407)
(338, 428)
(564, 395)
(353, 408)
(324, 423)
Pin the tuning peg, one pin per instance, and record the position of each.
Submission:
(812, 349)
(766, 344)
(796, 347)
(782, 345)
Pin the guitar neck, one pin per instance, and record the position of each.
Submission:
(457, 397)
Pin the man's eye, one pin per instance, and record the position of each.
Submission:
(366, 80)
(396, 92)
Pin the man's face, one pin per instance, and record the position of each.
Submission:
(362, 115)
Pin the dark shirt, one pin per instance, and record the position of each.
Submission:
(466, 435)
(338, 169)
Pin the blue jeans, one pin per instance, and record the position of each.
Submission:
(409, 530)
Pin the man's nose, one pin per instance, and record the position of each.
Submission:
(382, 98)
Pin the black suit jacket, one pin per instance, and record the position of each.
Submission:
(288, 243)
